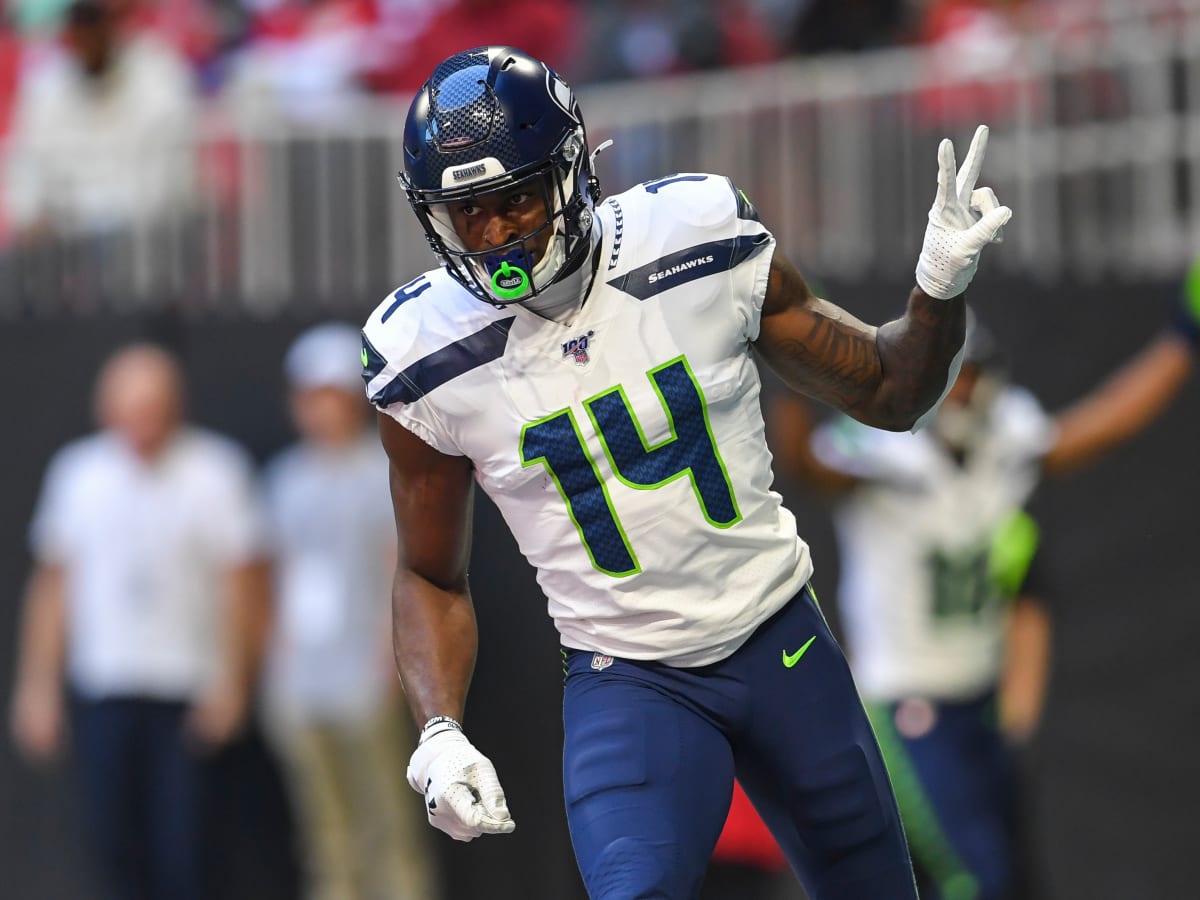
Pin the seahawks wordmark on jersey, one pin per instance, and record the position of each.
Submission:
(625, 447)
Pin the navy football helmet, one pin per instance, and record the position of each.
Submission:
(495, 118)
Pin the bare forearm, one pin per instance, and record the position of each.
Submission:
(885, 377)
(1026, 669)
(915, 354)
(247, 623)
(434, 638)
(42, 653)
(1122, 406)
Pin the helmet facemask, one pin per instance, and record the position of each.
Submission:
(521, 268)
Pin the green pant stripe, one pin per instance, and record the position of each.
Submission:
(817, 603)
(930, 847)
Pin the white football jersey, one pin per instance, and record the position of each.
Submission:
(920, 602)
(626, 447)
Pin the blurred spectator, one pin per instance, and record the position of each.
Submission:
(833, 26)
(724, 33)
(37, 15)
(332, 689)
(978, 59)
(546, 29)
(189, 26)
(146, 609)
(101, 135)
(306, 60)
(10, 65)
(651, 38)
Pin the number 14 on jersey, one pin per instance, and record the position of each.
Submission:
(690, 451)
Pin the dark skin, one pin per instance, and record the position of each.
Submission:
(884, 377)
(492, 220)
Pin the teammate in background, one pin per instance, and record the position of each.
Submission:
(591, 365)
(934, 547)
(333, 701)
(144, 623)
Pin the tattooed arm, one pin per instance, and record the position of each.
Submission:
(886, 376)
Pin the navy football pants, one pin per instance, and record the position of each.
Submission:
(651, 752)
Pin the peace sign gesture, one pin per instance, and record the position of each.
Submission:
(962, 221)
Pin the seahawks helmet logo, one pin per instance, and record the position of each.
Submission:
(560, 92)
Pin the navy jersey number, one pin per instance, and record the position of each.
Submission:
(688, 452)
(962, 585)
(653, 186)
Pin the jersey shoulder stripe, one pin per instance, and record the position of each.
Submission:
(683, 227)
(432, 371)
(426, 333)
(682, 266)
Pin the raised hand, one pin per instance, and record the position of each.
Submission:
(962, 221)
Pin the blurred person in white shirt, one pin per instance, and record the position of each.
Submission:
(101, 134)
(334, 703)
(144, 622)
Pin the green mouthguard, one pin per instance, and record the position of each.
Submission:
(510, 282)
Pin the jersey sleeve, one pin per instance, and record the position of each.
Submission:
(238, 532)
(393, 356)
(754, 248)
(691, 226)
(1013, 556)
(49, 530)
(750, 245)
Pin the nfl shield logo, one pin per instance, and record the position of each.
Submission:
(601, 662)
(577, 348)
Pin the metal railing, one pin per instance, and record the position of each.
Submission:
(1095, 143)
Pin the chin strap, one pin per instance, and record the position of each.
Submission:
(603, 146)
(593, 181)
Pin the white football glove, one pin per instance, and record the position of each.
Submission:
(962, 222)
(463, 796)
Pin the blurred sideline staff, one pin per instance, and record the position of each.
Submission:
(334, 705)
(101, 136)
(933, 548)
(147, 608)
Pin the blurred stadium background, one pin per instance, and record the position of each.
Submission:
(269, 203)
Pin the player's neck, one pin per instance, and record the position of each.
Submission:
(562, 301)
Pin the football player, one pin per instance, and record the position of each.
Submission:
(591, 364)
(935, 548)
